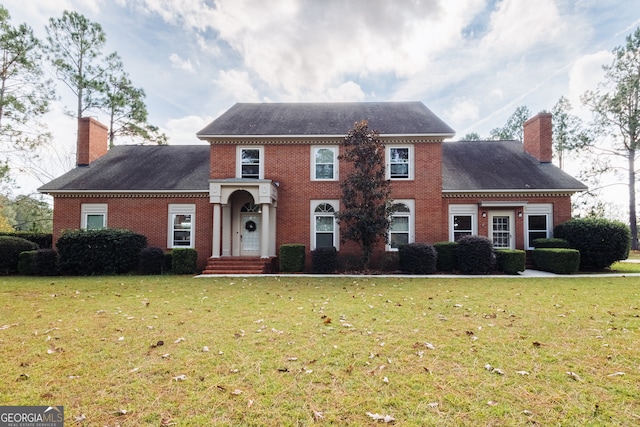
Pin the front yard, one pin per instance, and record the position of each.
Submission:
(174, 350)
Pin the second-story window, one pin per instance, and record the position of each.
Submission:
(251, 162)
(400, 162)
(324, 164)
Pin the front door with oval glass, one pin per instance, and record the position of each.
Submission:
(250, 235)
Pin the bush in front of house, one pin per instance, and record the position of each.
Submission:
(151, 260)
(552, 242)
(475, 255)
(292, 257)
(168, 261)
(417, 258)
(43, 240)
(511, 261)
(557, 260)
(25, 261)
(10, 249)
(446, 259)
(601, 242)
(45, 262)
(184, 261)
(105, 251)
(324, 260)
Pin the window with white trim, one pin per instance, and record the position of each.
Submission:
(401, 224)
(250, 162)
(400, 162)
(181, 225)
(93, 216)
(324, 228)
(324, 163)
(537, 222)
(463, 221)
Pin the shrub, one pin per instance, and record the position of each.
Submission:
(25, 262)
(105, 251)
(446, 260)
(184, 261)
(324, 260)
(168, 261)
(292, 257)
(10, 249)
(511, 261)
(553, 242)
(45, 262)
(601, 242)
(557, 260)
(475, 255)
(417, 258)
(43, 240)
(349, 262)
(151, 260)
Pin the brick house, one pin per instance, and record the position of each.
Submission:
(270, 175)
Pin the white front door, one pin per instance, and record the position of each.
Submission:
(250, 234)
(501, 229)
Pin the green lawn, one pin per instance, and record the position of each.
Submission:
(132, 350)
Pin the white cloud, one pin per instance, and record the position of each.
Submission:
(586, 73)
(181, 64)
(462, 110)
(237, 84)
(183, 131)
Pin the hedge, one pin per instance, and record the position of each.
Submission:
(552, 242)
(511, 261)
(292, 257)
(151, 260)
(10, 249)
(184, 261)
(324, 260)
(43, 240)
(417, 258)
(446, 260)
(475, 255)
(557, 260)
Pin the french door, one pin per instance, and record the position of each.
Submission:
(501, 225)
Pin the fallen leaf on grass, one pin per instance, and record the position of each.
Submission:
(180, 377)
(432, 405)
(383, 418)
(179, 340)
(492, 403)
(616, 374)
(317, 415)
(236, 392)
(80, 418)
(574, 376)
(523, 373)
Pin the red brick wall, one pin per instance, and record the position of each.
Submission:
(144, 215)
(92, 140)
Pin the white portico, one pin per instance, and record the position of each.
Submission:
(244, 217)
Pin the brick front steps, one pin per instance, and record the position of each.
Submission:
(240, 265)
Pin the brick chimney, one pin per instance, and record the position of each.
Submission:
(538, 137)
(92, 141)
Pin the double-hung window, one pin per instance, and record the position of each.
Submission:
(181, 225)
(537, 222)
(324, 233)
(93, 216)
(250, 162)
(401, 224)
(324, 163)
(463, 221)
(400, 162)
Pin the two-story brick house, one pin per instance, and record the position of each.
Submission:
(271, 175)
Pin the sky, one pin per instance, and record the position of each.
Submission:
(472, 62)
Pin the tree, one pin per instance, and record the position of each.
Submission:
(126, 109)
(75, 48)
(472, 136)
(365, 217)
(24, 92)
(569, 133)
(615, 105)
(514, 128)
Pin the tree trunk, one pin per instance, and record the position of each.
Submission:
(633, 225)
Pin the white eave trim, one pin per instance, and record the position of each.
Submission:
(320, 136)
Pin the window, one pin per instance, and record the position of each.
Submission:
(250, 162)
(324, 227)
(401, 226)
(93, 216)
(537, 222)
(463, 221)
(324, 164)
(400, 162)
(181, 226)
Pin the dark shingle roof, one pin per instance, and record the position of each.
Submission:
(499, 165)
(297, 119)
(144, 168)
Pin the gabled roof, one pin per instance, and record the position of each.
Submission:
(474, 166)
(325, 119)
(131, 168)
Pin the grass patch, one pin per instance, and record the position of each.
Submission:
(302, 351)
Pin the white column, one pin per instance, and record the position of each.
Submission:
(264, 233)
(226, 230)
(215, 247)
